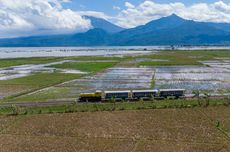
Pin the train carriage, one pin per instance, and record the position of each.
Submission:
(177, 93)
(117, 95)
(144, 94)
(99, 96)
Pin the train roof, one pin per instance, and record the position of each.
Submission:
(140, 91)
(125, 91)
(172, 89)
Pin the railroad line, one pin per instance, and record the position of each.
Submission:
(72, 101)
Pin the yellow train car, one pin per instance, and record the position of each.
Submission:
(91, 97)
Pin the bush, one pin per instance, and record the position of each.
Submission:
(50, 110)
(15, 110)
(121, 108)
(39, 111)
(153, 106)
(26, 112)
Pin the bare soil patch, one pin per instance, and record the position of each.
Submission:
(163, 130)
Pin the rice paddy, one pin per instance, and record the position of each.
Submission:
(191, 70)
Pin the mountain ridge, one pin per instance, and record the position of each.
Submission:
(103, 24)
(170, 30)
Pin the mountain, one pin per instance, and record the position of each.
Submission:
(171, 30)
(174, 30)
(103, 24)
(221, 26)
(160, 24)
(93, 37)
(164, 23)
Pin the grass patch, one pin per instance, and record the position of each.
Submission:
(22, 61)
(115, 106)
(183, 57)
(39, 81)
(94, 58)
(86, 67)
(45, 95)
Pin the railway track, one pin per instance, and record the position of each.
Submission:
(72, 101)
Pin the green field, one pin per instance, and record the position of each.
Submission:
(41, 79)
(22, 86)
(22, 61)
(52, 93)
(171, 58)
(86, 67)
(43, 60)
(116, 106)
(36, 82)
(16, 90)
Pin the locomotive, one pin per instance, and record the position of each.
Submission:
(91, 97)
(131, 95)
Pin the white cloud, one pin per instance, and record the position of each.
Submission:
(66, 1)
(94, 14)
(116, 8)
(148, 10)
(36, 17)
(221, 6)
(129, 5)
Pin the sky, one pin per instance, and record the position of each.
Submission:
(107, 6)
(41, 17)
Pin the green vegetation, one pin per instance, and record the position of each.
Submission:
(45, 95)
(94, 58)
(20, 87)
(41, 79)
(117, 106)
(43, 60)
(38, 81)
(171, 58)
(22, 61)
(174, 58)
(86, 67)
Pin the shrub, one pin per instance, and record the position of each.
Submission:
(39, 111)
(15, 110)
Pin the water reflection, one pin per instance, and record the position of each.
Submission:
(26, 70)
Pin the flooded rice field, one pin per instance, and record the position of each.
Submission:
(214, 76)
(110, 79)
(210, 77)
(119, 78)
(222, 64)
(26, 70)
(114, 79)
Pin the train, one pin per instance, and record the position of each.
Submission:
(131, 95)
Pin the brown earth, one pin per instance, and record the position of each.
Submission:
(166, 130)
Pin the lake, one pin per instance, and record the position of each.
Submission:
(17, 52)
